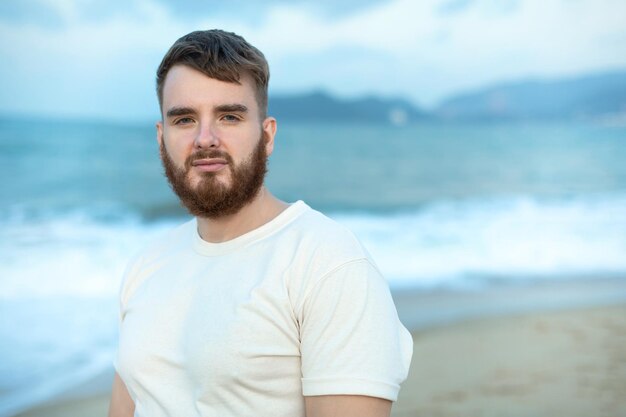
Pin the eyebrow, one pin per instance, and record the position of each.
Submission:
(223, 108)
(180, 111)
(226, 108)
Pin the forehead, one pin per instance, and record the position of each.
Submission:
(185, 86)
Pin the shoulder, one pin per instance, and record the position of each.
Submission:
(318, 248)
(324, 237)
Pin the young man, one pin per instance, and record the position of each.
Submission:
(255, 307)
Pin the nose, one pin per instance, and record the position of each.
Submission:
(208, 137)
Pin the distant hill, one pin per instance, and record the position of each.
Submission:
(322, 106)
(597, 96)
(586, 97)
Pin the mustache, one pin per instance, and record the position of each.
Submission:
(207, 154)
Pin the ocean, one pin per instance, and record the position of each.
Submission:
(439, 206)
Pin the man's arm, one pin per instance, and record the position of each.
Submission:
(346, 406)
(121, 404)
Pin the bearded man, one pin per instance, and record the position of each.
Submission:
(255, 307)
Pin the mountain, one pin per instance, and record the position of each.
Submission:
(322, 106)
(586, 97)
(596, 96)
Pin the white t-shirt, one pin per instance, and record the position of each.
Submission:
(249, 326)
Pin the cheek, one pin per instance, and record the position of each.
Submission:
(178, 150)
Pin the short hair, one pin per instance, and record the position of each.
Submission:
(222, 55)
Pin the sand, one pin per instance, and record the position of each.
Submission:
(567, 363)
(89, 407)
(559, 363)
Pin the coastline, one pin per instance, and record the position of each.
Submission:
(421, 309)
(537, 349)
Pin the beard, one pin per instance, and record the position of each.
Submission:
(211, 198)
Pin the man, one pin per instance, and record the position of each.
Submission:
(256, 307)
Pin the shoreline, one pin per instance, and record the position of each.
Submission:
(421, 309)
(491, 351)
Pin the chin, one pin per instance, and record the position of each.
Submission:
(195, 181)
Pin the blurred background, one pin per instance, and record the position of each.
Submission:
(476, 147)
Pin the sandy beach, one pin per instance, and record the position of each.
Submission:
(567, 362)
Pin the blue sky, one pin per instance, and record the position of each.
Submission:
(96, 59)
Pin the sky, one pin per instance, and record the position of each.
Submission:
(96, 59)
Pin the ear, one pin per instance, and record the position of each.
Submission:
(269, 128)
(159, 133)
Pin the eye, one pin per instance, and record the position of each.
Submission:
(184, 121)
(230, 118)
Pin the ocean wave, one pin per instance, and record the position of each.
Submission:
(440, 244)
(80, 253)
(465, 243)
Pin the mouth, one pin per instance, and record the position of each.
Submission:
(209, 164)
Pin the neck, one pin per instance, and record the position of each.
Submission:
(263, 208)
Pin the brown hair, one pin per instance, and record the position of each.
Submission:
(222, 55)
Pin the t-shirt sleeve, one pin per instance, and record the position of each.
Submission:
(352, 341)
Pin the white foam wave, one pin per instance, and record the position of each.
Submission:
(446, 243)
(72, 254)
(453, 243)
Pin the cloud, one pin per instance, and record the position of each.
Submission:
(30, 11)
(99, 58)
(252, 12)
(58, 14)
(54, 13)
(428, 55)
(453, 6)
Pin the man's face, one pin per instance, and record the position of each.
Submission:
(214, 146)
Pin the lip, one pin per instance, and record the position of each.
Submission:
(209, 164)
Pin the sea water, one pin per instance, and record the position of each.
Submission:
(438, 206)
